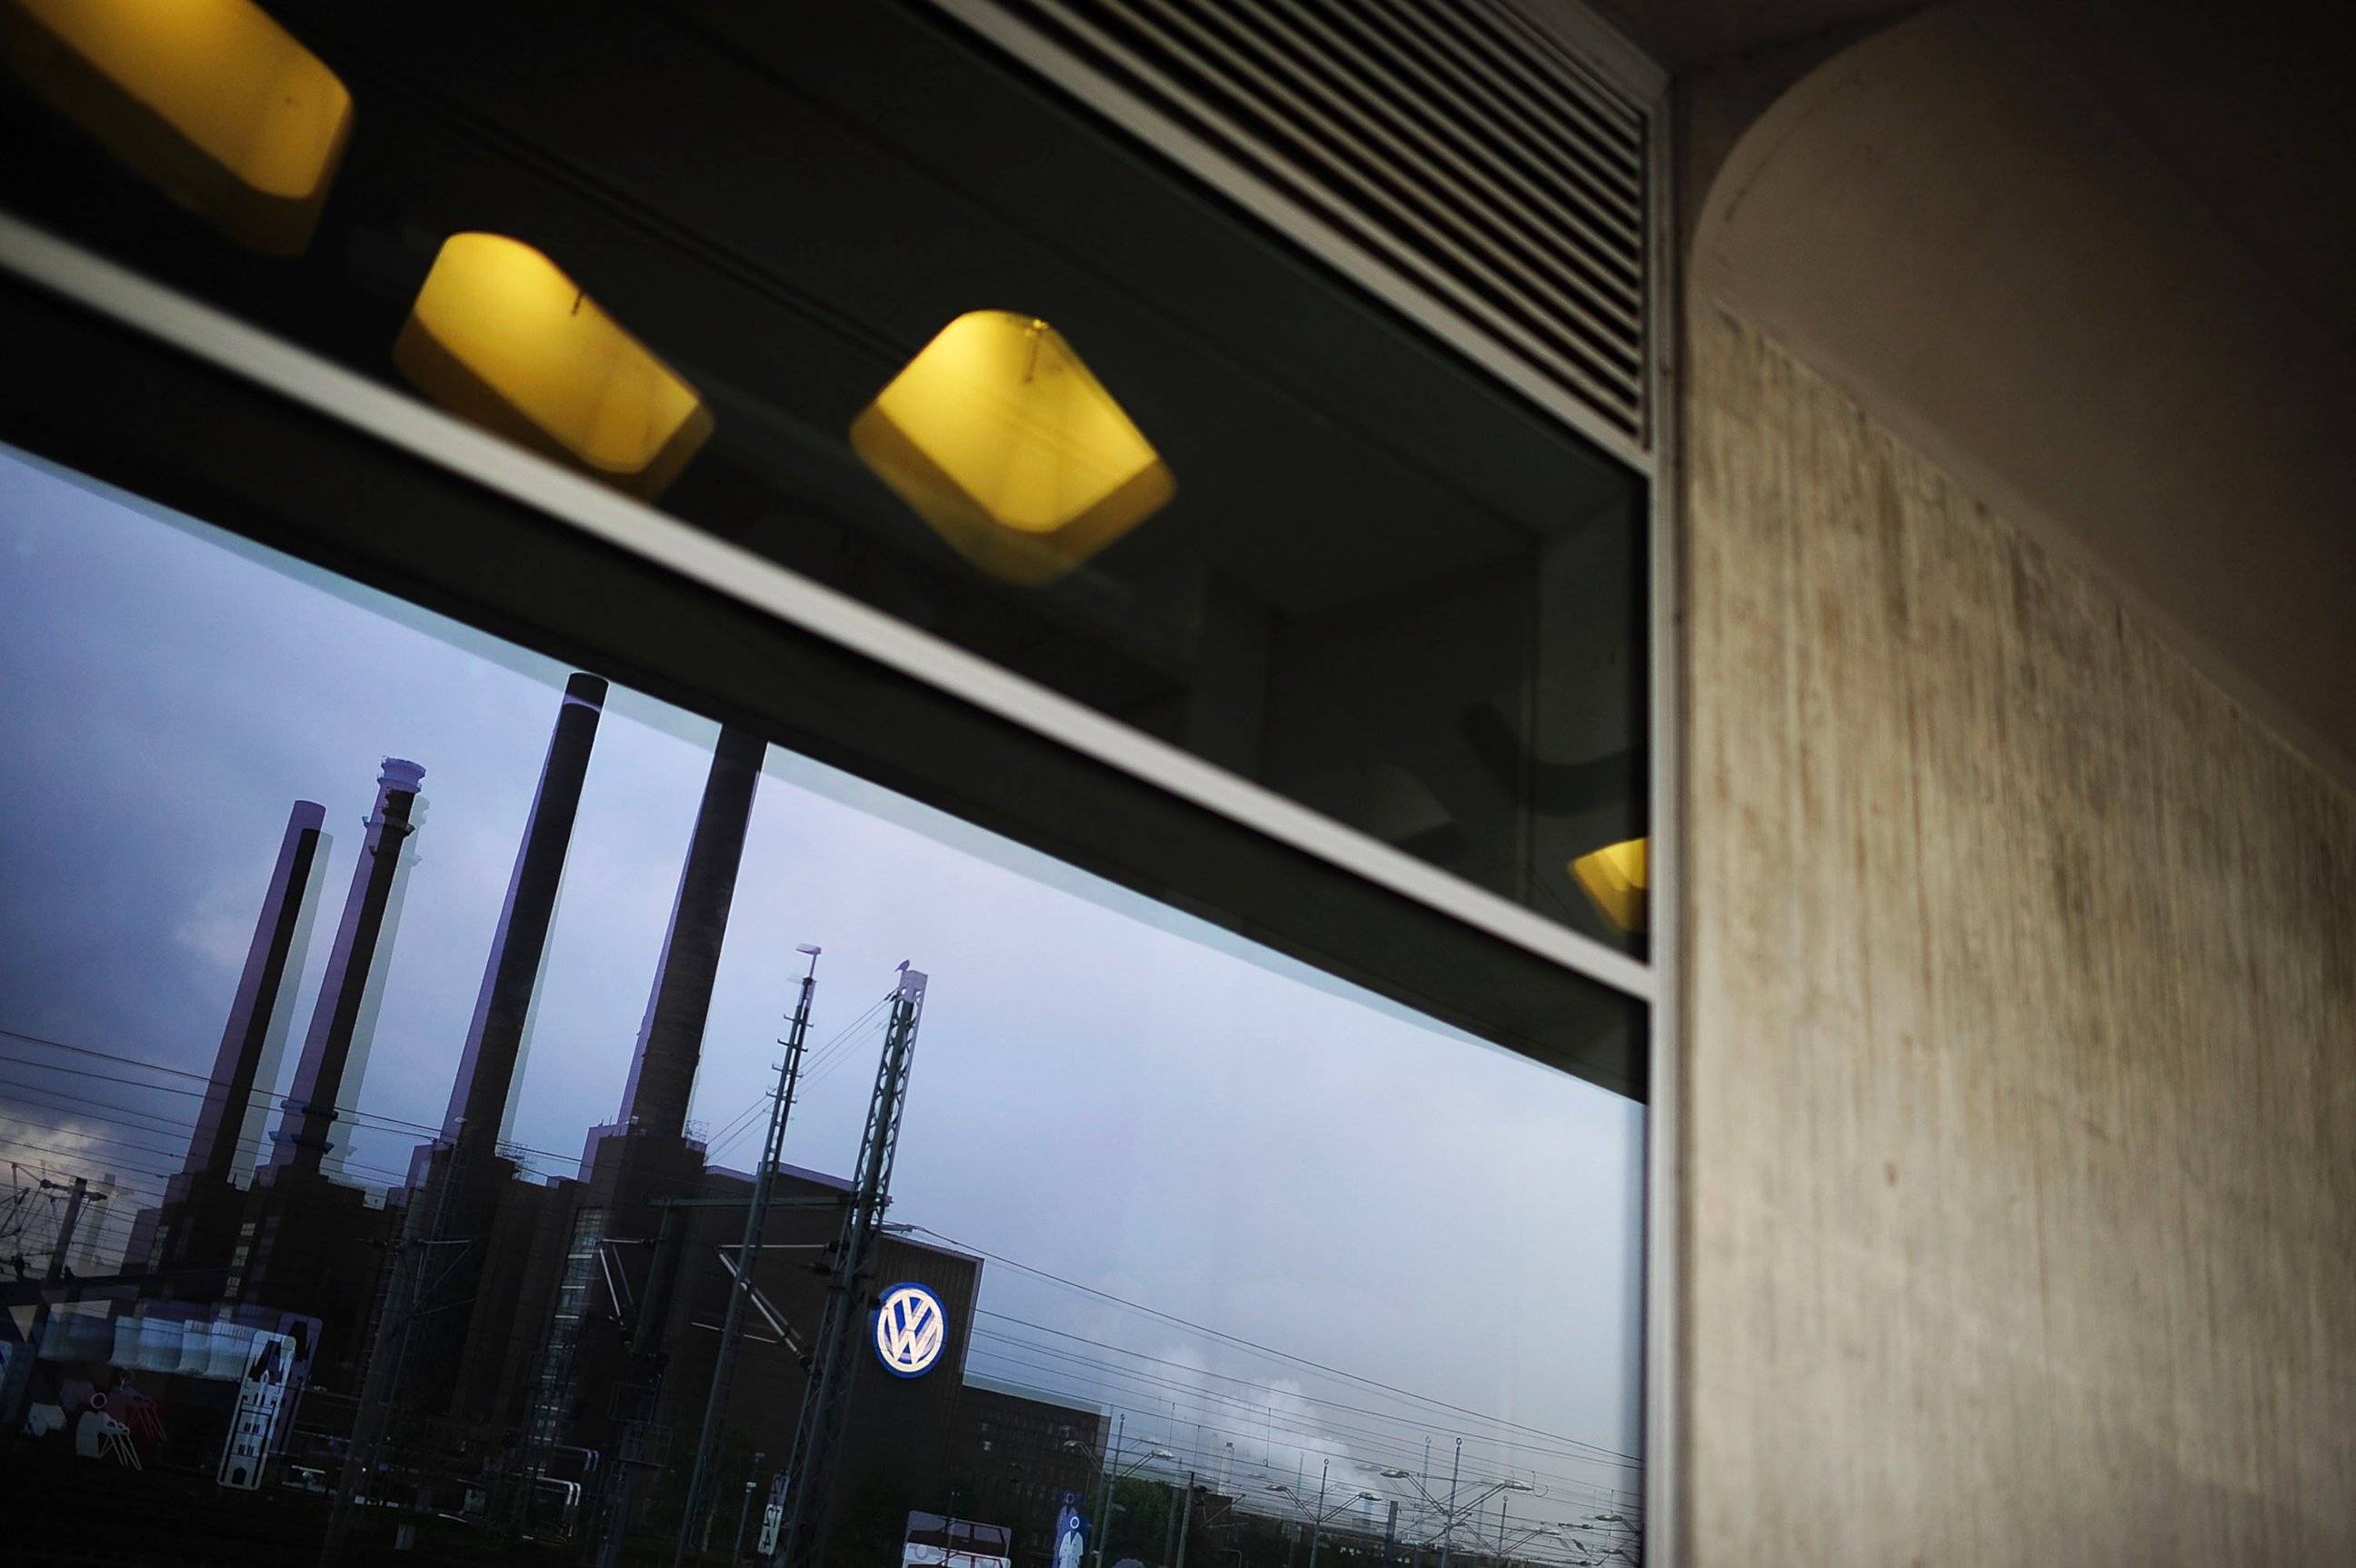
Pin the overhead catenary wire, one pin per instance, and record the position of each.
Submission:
(745, 1120)
(1219, 1409)
(1221, 1406)
(1270, 1425)
(78, 1157)
(182, 1129)
(1204, 1456)
(1197, 1371)
(838, 1051)
(1574, 1449)
(1284, 1355)
(376, 1119)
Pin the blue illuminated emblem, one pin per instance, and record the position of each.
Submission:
(910, 1329)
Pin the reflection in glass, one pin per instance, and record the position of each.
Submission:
(1383, 586)
(210, 101)
(998, 436)
(1617, 877)
(500, 336)
(1231, 1261)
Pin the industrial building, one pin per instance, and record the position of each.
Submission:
(540, 1352)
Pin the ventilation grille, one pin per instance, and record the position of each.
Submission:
(1455, 140)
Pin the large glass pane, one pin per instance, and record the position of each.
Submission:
(386, 1063)
(864, 299)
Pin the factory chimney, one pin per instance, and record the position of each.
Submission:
(254, 1018)
(671, 1040)
(484, 1095)
(302, 1139)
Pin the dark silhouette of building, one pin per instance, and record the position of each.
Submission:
(1010, 1462)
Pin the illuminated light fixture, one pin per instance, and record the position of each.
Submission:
(1615, 878)
(208, 100)
(500, 336)
(1000, 439)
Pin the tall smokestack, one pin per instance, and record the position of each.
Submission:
(671, 1040)
(484, 1094)
(254, 1017)
(301, 1140)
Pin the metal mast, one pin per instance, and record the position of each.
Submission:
(748, 1263)
(826, 1400)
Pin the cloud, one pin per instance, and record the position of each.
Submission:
(219, 930)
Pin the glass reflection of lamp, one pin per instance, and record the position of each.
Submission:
(209, 101)
(500, 336)
(1615, 878)
(1001, 438)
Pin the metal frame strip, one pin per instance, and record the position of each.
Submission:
(1666, 1120)
(1322, 237)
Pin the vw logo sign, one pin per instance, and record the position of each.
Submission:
(910, 1329)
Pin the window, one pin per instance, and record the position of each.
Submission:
(417, 844)
(1191, 1213)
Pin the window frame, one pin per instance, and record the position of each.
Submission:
(665, 544)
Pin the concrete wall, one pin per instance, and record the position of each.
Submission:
(2021, 1137)
(1947, 220)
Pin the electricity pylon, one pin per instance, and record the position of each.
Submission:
(826, 1400)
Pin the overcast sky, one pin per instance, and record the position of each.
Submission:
(1104, 1090)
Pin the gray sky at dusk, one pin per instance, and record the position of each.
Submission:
(1104, 1090)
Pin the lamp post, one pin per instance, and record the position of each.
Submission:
(1109, 1470)
(1524, 1537)
(751, 1481)
(1521, 1538)
(1319, 1515)
(1449, 1511)
(1627, 1551)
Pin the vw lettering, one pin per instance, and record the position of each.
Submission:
(910, 1329)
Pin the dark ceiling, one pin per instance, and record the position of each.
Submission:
(2244, 104)
(1682, 34)
(2093, 257)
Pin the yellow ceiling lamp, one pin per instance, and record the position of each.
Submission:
(1001, 439)
(208, 100)
(1615, 878)
(500, 336)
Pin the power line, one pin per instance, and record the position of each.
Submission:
(1398, 1442)
(106, 1113)
(837, 1051)
(386, 1123)
(744, 1121)
(1269, 1419)
(1279, 1355)
(1207, 1372)
(257, 1094)
(115, 1113)
(105, 1138)
(11, 1141)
